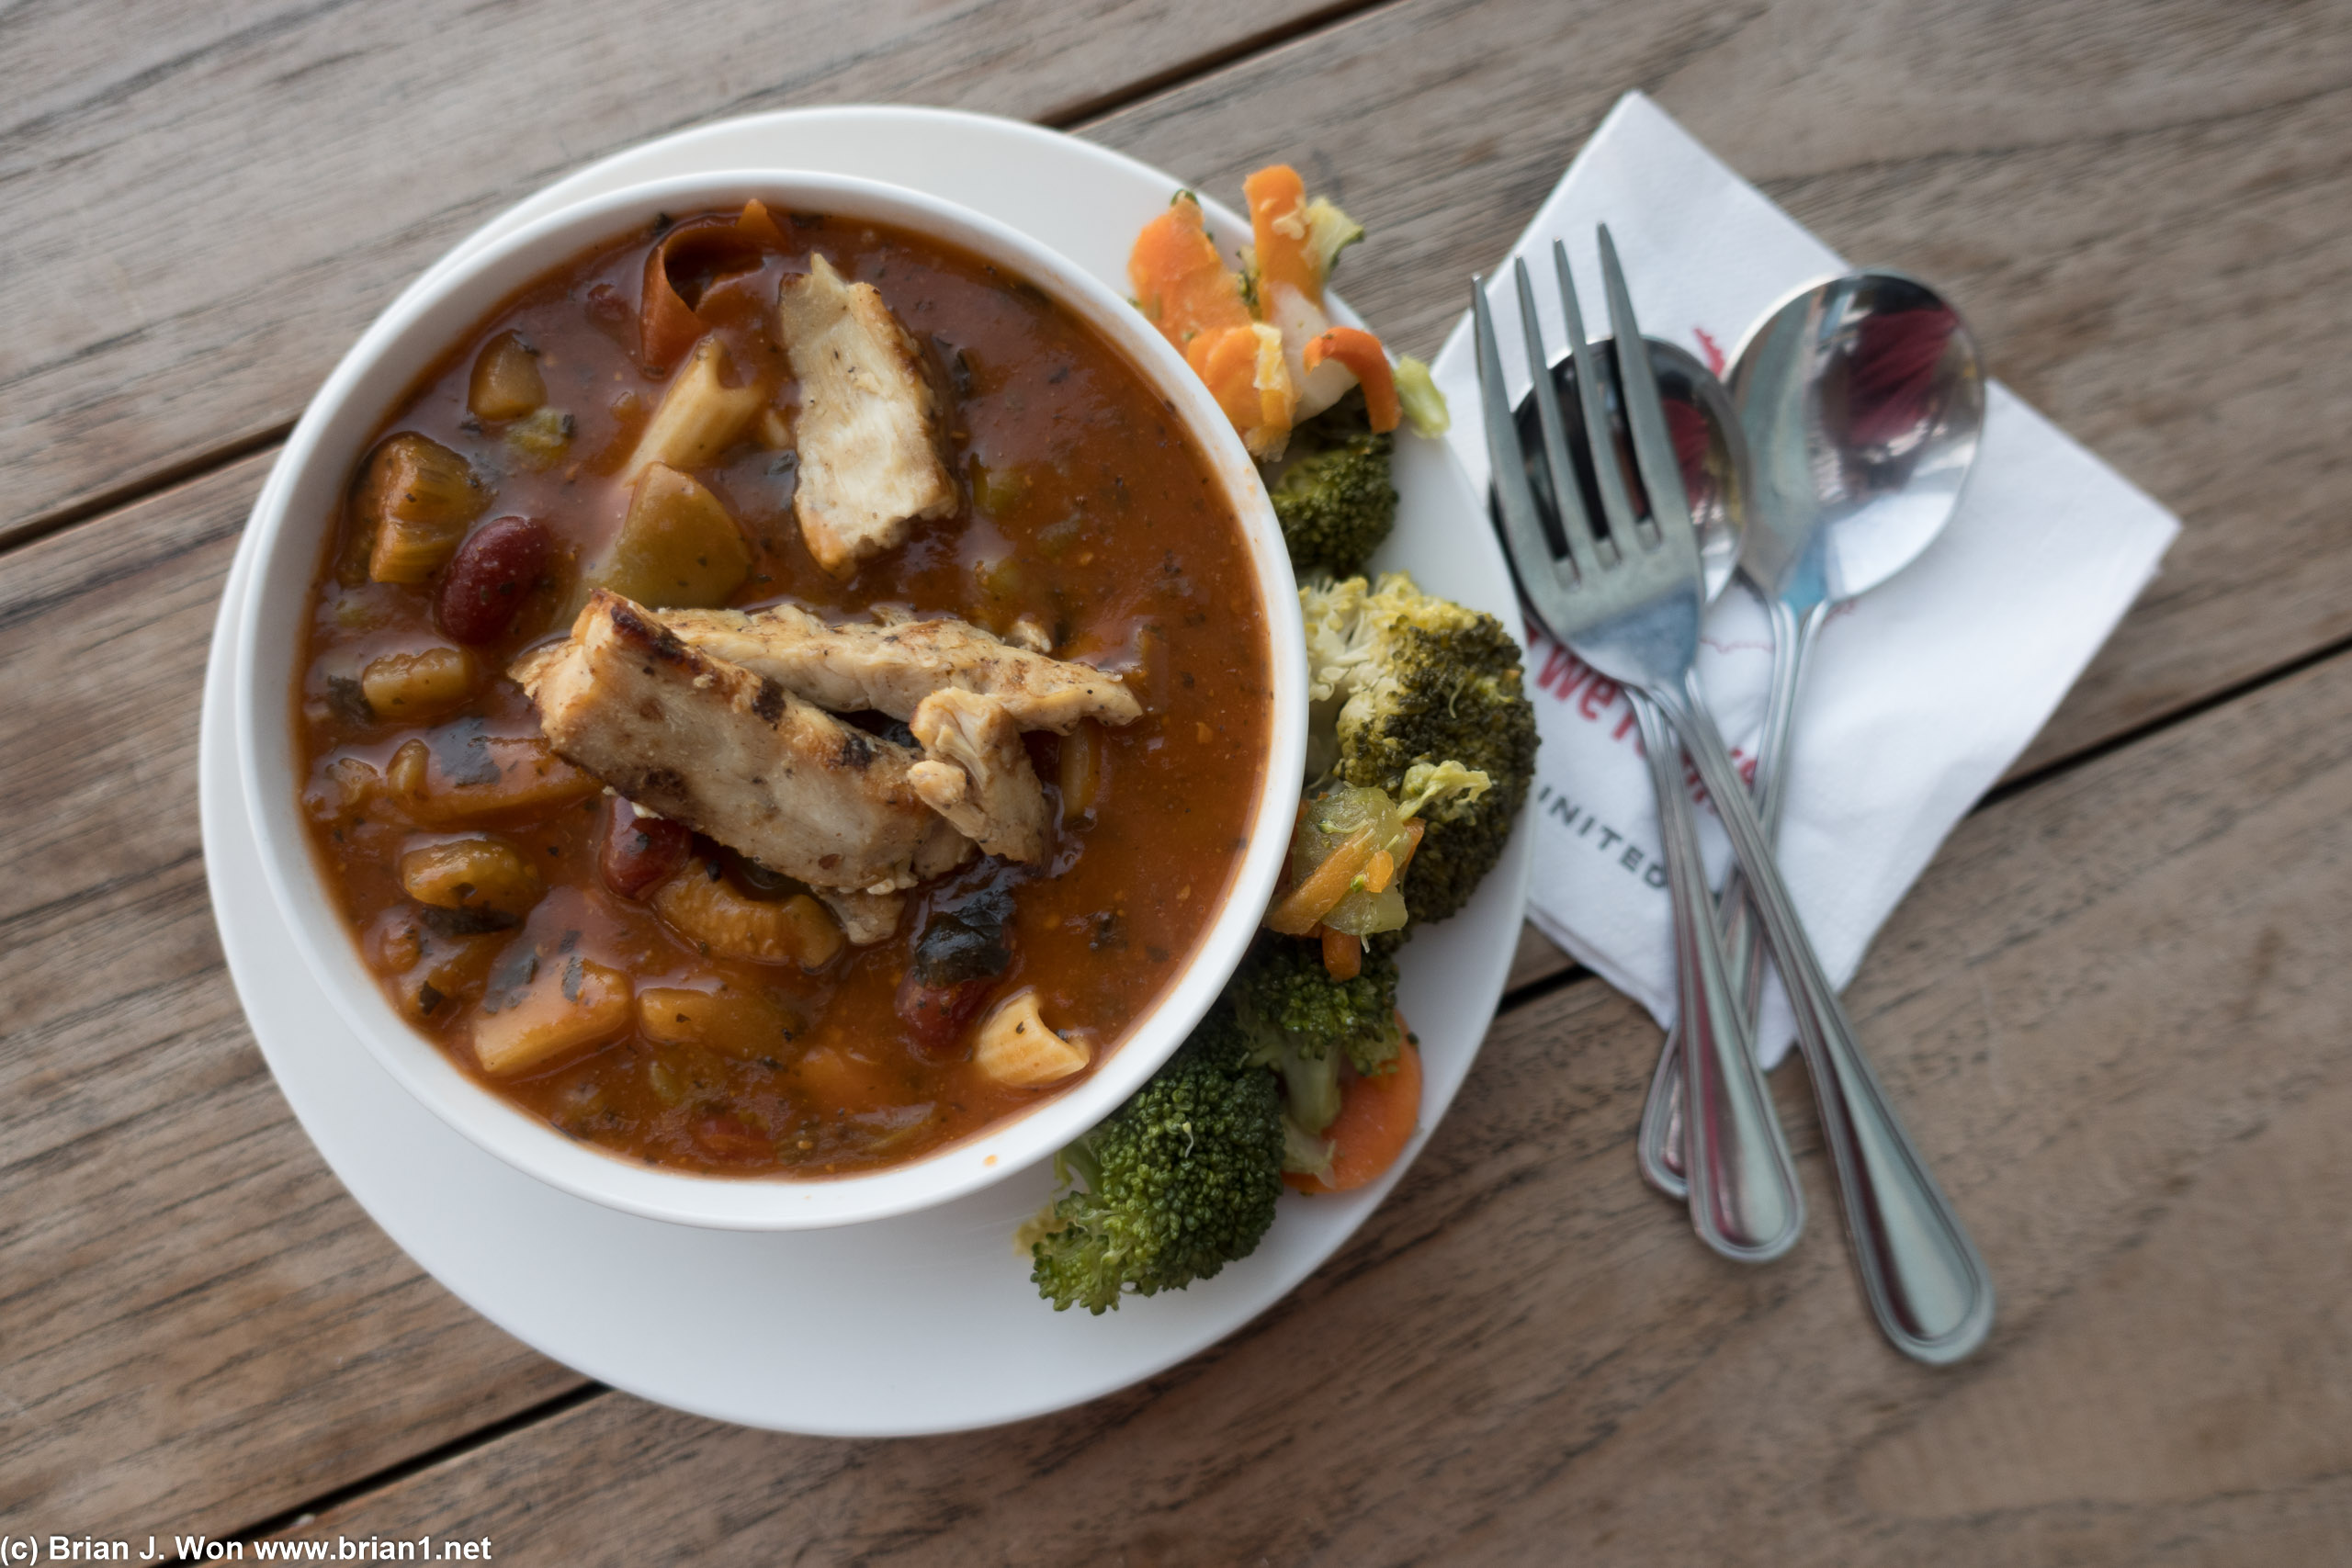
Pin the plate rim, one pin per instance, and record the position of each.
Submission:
(1172, 1336)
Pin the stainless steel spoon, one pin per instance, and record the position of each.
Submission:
(1862, 399)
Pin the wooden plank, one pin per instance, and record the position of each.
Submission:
(1443, 125)
(198, 1326)
(204, 204)
(2111, 1012)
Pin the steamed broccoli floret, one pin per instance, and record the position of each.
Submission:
(1333, 498)
(1400, 678)
(1304, 1023)
(1284, 993)
(1179, 1182)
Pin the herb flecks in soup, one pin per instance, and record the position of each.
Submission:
(782, 695)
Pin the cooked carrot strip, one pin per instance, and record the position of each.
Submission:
(710, 250)
(1278, 227)
(1342, 955)
(760, 226)
(1361, 352)
(1303, 908)
(1413, 831)
(1378, 1115)
(1380, 873)
(1179, 280)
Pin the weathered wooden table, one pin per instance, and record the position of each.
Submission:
(2113, 1010)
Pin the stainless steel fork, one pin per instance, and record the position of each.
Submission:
(1626, 616)
(1628, 601)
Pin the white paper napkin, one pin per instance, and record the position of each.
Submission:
(1919, 696)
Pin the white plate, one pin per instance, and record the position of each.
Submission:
(923, 1324)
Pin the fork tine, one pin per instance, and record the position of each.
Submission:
(1567, 500)
(1592, 394)
(1523, 537)
(1645, 413)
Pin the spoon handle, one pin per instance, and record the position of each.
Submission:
(1659, 1148)
(1746, 1203)
(1926, 1285)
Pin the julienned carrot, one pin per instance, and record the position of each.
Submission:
(1361, 352)
(1303, 908)
(1378, 1115)
(1179, 280)
(1277, 200)
(1342, 955)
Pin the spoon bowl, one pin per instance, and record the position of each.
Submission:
(1862, 402)
(1709, 443)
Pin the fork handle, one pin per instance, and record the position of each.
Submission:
(1926, 1284)
(1745, 1202)
(1658, 1149)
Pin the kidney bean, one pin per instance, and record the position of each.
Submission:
(639, 852)
(936, 1016)
(956, 965)
(491, 575)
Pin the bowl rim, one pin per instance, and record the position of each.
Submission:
(290, 517)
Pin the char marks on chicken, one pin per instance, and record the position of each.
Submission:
(734, 755)
(892, 666)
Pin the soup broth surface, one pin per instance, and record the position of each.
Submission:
(1084, 510)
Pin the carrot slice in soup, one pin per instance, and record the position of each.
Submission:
(1378, 1115)
(1361, 352)
(759, 226)
(1342, 955)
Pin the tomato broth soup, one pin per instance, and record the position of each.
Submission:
(622, 971)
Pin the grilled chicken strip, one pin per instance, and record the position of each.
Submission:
(976, 773)
(868, 427)
(893, 667)
(734, 755)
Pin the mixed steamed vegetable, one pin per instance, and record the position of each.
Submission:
(1421, 749)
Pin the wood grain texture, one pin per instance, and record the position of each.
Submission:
(197, 1323)
(292, 163)
(2111, 1009)
(2112, 1014)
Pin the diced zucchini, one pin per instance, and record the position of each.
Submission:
(418, 686)
(506, 381)
(677, 549)
(414, 501)
(537, 442)
(571, 1004)
(709, 911)
(727, 1018)
(472, 874)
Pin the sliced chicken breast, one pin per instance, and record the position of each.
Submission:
(893, 666)
(976, 773)
(734, 755)
(868, 428)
